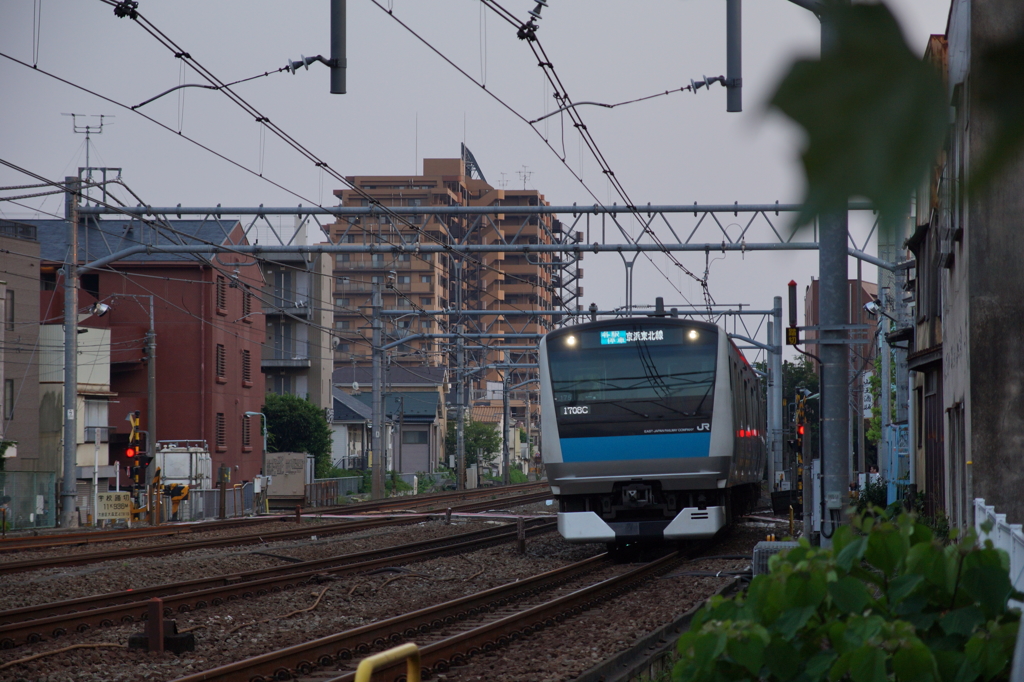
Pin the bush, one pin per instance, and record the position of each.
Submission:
(888, 601)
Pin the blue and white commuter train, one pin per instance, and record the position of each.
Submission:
(653, 429)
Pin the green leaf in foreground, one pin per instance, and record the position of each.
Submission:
(875, 114)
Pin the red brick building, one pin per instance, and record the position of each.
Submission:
(209, 332)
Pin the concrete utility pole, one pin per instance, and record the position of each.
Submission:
(734, 55)
(886, 391)
(69, 491)
(460, 430)
(833, 316)
(151, 380)
(775, 387)
(339, 60)
(376, 452)
(506, 418)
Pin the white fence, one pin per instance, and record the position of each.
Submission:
(1005, 536)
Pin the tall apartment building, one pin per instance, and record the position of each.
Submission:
(511, 285)
(296, 303)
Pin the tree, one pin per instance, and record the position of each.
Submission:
(297, 425)
(479, 436)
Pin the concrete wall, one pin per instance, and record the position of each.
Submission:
(995, 243)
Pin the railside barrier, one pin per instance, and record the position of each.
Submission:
(409, 652)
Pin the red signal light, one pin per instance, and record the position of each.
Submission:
(129, 453)
(800, 429)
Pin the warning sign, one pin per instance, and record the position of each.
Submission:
(113, 506)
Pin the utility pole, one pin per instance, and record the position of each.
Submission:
(339, 60)
(460, 429)
(776, 386)
(733, 55)
(886, 392)
(151, 380)
(506, 418)
(401, 432)
(376, 452)
(69, 490)
(833, 315)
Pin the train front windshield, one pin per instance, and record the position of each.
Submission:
(633, 379)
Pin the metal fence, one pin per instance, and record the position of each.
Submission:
(1005, 536)
(205, 504)
(324, 492)
(29, 499)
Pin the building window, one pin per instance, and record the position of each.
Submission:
(342, 302)
(426, 279)
(222, 295)
(404, 279)
(221, 364)
(426, 301)
(404, 257)
(342, 324)
(95, 416)
(8, 398)
(415, 437)
(222, 434)
(247, 307)
(341, 260)
(9, 310)
(344, 347)
(246, 369)
(377, 258)
(246, 434)
(377, 279)
(346, 239)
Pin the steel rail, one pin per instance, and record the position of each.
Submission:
(174, 548)
(344, 646)
(244, 585)
(99, 536)
(330, 529)
(413, 501)
(438, 657)
(339, 649)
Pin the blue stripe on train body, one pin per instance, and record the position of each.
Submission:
(650, 446)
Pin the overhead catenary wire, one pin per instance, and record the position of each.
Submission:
(246, 169)
(508, 16)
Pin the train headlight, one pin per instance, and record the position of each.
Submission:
(570, 341)
(692, 335)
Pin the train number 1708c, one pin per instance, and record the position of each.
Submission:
(575, 409)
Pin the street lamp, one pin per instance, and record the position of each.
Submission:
(874, 308)
(253, 414)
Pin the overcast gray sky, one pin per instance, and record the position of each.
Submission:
(405, 103)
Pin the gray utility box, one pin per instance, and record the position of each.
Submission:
(766, 549)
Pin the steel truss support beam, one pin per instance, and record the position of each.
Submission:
(267, 250)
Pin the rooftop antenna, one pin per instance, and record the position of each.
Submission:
(88, 131)
(524, 175)
(503, 182)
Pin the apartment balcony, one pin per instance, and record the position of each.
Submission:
(286, 354)
(286, 363)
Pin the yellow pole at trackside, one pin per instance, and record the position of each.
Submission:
(410, 652)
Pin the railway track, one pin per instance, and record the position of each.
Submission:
(101, 536)
(438, 500)
(487, 620)
(256, 538)
(34, 624)
(489, 496)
